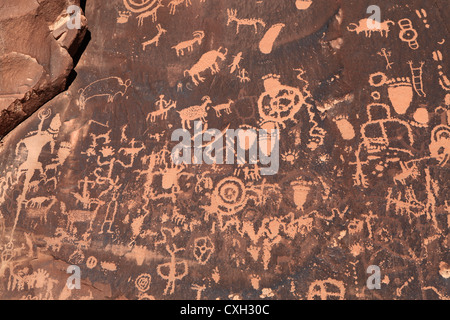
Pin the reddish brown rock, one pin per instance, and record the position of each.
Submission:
(36, 55)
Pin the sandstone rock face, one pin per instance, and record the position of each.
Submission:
(36, 49)
(358, 187)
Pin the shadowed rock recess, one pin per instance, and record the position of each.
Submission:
(36, 56)
(358, 203)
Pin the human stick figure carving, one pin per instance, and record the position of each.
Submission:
(173, 270)
(209, 60)
(85, 197)
(111, 209)
(243, 76)
(163, 107)
(34, 144)
(386, 54)
(155, 39)
(110, 163)
(189, 44)
(232, 17)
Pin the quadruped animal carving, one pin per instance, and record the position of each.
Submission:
(152, 13)
(175, 3)
(209, 60)
(37, 209)
(363, 24)
(195, 112)
(155, 39)
(108, 87)
(189, 44)
(223, 107)
(232, 17)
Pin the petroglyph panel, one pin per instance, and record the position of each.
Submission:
(352, 175)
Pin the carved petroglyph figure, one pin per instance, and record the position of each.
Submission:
(203, 182)
(280, 103)
(400, 93)
(203, 249)
(228, 198)
(416, 74)
(195, 113)
(35, 209)
(199, 290)
(209, 60)
(111, 211)
(163, 108)
(2, 227)
(386, 54)
(79, 216)
(152, 13)
(34, 144)
(170, 176)
(111, 163)
(407, 172)
(173, 270)
(290, 156)
(107, 87)
(37, 202)
(301, 191)
(444, 81)
(345, 127)
(175, 3)
(135, 148)
(155, 39)
(385, 140)
(140, 6)
(440, 144)
(422, 14)
(189, 44)
(223, 107)
(267, 42)
(303, 4)
(235, 65)
(84, 198)
(325, 289)
(408, 33)
(232, 17)
(363, 24)
(143, 281)
(124, 16)
(91, 151)
(243, 76)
